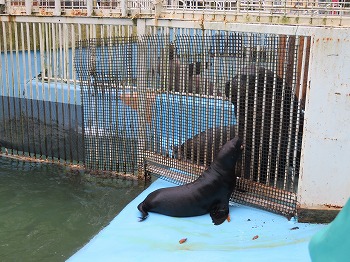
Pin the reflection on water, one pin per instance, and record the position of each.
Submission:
(47, 212)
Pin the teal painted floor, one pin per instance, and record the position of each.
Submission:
(251, 235)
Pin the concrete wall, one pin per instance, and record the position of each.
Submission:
(325, 167)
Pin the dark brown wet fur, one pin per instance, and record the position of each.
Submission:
(210, 193)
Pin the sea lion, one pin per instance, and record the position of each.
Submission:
(204, 147)
(270, 118)
(210, 193)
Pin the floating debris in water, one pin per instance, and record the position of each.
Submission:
(228, 218)
(294, 228)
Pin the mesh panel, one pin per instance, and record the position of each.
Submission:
(107, 69)
(166, 104)
(206, 89)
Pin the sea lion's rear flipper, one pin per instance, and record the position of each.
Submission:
(143, 212)
(219, 213)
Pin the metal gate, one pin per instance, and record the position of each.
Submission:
(165, 105)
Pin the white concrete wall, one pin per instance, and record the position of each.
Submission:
(325, 164)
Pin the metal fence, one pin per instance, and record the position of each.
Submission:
(178, 8)
(165, 105)
(40, 98)
(160, 104)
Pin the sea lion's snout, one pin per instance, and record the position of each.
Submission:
(237, 143)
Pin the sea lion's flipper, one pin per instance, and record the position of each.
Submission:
(219, 213)
(143, 212)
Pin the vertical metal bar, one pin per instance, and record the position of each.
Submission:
(20, 123)
(67, 75)
(94, 31)
(118, 159)
(236, 70)
(216, 65)
(55, 44)
(207, 108)
(91, 105)
(124, 7)
(37, 98)
(13, 87)
(202, 94)
(142, 88)
(58, 8)
(250, 39)
(89, 7)
(299, 109)
(2, 88)
(48, 40)
(7, 85)
(97, 98)
(43, 35)
(273, 106)
(113, 94)
(62, 34)
(294, 55)
(263, 112)
(281, 113)
(256, 121)
(28, 6)
(75, 97)
(101, 99)
(122, 57)
(30, 78)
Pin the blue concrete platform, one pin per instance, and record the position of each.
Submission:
(251, 235)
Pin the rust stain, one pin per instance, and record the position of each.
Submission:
(132, 101)
(327, 39)
(332, 206)
(12, 18)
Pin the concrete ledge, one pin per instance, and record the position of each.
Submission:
(251, 235)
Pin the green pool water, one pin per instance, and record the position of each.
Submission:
(48, 212)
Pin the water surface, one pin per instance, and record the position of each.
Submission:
(48, 212)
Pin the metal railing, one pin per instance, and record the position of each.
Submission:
(174, 8)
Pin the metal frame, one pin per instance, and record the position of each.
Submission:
(315, 12)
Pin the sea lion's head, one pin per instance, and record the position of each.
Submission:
(228, 155)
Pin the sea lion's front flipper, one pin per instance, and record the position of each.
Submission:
(219, 213)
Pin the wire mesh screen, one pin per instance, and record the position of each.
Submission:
(165, 105)
(107, 70)
(207, 89)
